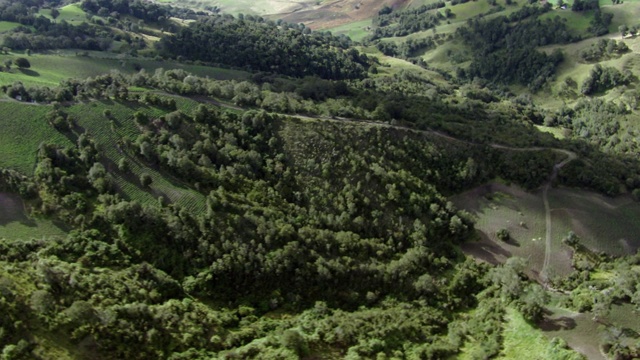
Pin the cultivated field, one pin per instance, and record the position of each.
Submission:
(50, 69)
(23, 129)
(107, 134)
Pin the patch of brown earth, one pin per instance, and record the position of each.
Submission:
(338, 12)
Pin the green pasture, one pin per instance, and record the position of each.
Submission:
(24, 128)
(8, 25)
(50, 69)
(558, 133)
(577, 22)
(577, 329)
(496, 206)
(522, 341)
(15, 224)
(603, 224)
(627, 13)
(71, 13)
(356, 31)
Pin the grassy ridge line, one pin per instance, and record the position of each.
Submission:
(51, 69)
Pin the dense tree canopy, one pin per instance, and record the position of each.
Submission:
(260, 45)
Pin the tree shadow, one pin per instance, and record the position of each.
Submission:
(29, 72)
(485, 249)
(12, 210)
(561, 323)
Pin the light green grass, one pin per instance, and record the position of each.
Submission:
(577, 22)
(524, 342)
(8, 25)
(51, 69)
(558, 133)
(71, 13)
(356, 31)
(24, 128)
(627, 13)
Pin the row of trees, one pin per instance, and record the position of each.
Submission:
(506, 52)
(266, 46)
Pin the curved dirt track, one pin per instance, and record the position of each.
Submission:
(570, 156)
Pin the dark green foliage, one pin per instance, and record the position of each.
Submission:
(503, 234)
(601, 79)
(264, 46)
(22, 63)
(584, 5)
(62, 35)
(145, 180)
(506, 52)
(602, 50)
(599, 25)
(406, 21)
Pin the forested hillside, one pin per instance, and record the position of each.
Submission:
(188, 184)
(258, 45)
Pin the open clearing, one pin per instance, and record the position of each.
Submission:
(577, 329)
(16, 225)
(50, 69)
(604, 224)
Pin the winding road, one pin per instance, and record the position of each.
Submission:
(570, 156)
(547, 209)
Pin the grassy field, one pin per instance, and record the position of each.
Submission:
(558, 133)
(524, 342)
(355, 30)
(577, 22)
(265, 7)
(604, 224)
(8, 25)
(71, 13)
(23, 129)
(578, 330)
(50, 69)
(15, 224)
(496, 206)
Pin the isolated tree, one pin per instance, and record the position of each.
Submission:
(55, 13)
(571, 239)
(633, 31)
(503, 234)
(146, 180)
(22, 63)
(123, 165)
(623, 30)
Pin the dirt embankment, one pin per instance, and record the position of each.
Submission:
(338, 12)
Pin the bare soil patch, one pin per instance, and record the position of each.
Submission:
(335, 13)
